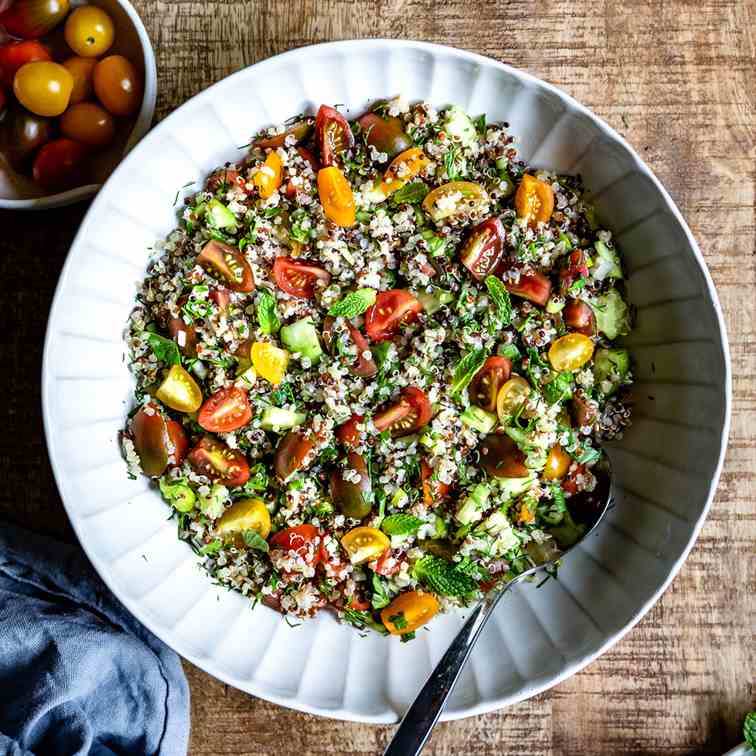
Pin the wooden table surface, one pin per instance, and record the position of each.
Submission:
(678, 79)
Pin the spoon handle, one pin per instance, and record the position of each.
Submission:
(417, 724)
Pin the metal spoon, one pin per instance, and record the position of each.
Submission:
(420, 719)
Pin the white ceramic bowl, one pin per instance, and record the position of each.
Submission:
(131, 40)
(667, 466)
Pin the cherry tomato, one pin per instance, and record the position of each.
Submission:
(219, 463)
(557, 463)
(30, 19)
(82, 70)
(532, 286)
(392, 310)
(364, 544)
(24, 134)
(534, 200)
(501, 458)
(482, 251)
(525, 515)
(184, 335)
(403, 168)
(220, 297)
(409, 611)
(269, 361)
(17, 54)
(578, 316)
(570, 352)
(118, 85)
(299, 130)
(293, 452)
(180, 391)
(301, 539)
(225, 411)
(411, 412)
(222, 180)
(268, 178)
(385, 133)
(362, 366)
(351, 499)
(89, 124)
(333, 134)
(348, 433)
(487, 382)
(228, 265)
(151, 440)
(512, 396)
(179, 440)
(583, 411)
(244, 514)
(43, 87)
(336, 197)
(89, 31)
(570, 484)
(576, 268)
(455, 200)
(59, 164)
(434, 491)
(298, 277)
(387, 564)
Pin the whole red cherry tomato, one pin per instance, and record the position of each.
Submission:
(59, 165)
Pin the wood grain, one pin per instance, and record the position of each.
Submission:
(678, 79)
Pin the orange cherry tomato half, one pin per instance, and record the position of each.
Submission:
(59, 165)
(89, 124)
(118, 85)
(557, 463)
(411, 412)
(486, 383)
(403, 168)
(227, 264)
(336, 197)
(301, 539)
(348, 433)
(268, 178)
(392, 310)
(225, 411)
(292, 453)
(43, 87)
(483, 249)
(501, 458)
(534, 200)
(219, 463)
(17, 54)
(333, 134)
(30, 19)
(409, 611)
(82, 70)
(89, 31)
(434, 491)
(298, 277)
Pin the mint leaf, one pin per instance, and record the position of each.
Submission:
(466, 369)
(166, 350)
(401, 525)
(500, 297)
(443, 577)
(558, 389)
(511, 351)
(266, 312)
(211, 547)
(381, 595)
(353, 304)
(255, 541)
(411, 194)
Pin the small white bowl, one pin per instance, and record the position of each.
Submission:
(131, 40)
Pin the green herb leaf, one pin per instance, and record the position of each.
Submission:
(166, 350)
(258, 479)
(353, 304)
(749, 729)
(436, 243)
(443, 577)
(381, 596)
(399, 621)
(500, 297)
(558, 389)
(410, 194)
(480, 124)
(266, 312)
(401, 525)
(588, 455)
(407, 637)
(466, 369)
(211, 547)
(255, 541)
(511, 351)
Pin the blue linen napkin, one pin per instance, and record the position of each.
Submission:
(78, 674)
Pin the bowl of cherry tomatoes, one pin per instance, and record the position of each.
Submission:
(77, 91)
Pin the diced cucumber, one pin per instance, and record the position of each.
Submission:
(276, 418)
(472, 507)
(607, 263)
(479, 419)
(611, 365)
(220, 215)
(178, 495)
(458, 125)
(555, 304)
(515, 486)
(432, 302)
(302, 337)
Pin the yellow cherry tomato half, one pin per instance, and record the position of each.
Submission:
(454, 200)
(268, 178)
(404, 167)
(570, 352)
(89, 31)
(43, 87)
(409, 611)
(534, 200)
(81, 69)
(89, 124)
(244, 514)
(336, 197)
(557, 463)
(511, 397)
(363, 544)
(180, 391)
(269, 361)
(118, 85)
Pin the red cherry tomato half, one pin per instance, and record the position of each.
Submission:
(308, 156)
(292, 453)
(228, 265)
(17, 54)
(410, 413)
(575, 269)
(220, 296)
(484, 387)
(387, 564)
(225, 411)
(501, 458)
(59, 165)
(570, 483)
(297, 277)
(179, 440)
(333, 134)
(532, 286)
(483, 249)
(578, 316)
(222, 180)
(219, 463)
(392, 309)
(348, 433)
(433, 490)
(386, 134)
(300, 539)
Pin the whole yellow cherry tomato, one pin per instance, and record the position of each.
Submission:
(269, 361)
(511, 397)
(268, 178)
(180, 391)
(43, 87)
(557, 463)
(404, 167)
(118, 85)
(81, 69)
(363, 544)
(244, 514)
(89, 31)
(409, 611)
(336, 197)
(570, 352)
(534, 200)
(89, 124)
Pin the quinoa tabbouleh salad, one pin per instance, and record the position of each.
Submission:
(374, 364)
